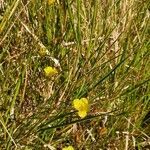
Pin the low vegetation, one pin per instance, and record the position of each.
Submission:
(74, 74)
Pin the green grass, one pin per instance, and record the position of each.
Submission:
(101, 50)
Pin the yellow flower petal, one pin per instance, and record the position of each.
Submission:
(49, 71)
(82, 114)
(76, 104)
(85, 104)
(84, 100)
(68, 148)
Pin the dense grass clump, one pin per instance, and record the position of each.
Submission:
(74, 74)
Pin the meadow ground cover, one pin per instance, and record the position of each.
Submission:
(74, 74)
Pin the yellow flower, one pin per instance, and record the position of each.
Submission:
(82, 106)
(42, 51)
(49, 71)
(68, 148)
(50, 2)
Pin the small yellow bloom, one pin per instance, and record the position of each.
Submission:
(49, 71)
(50, 2)
(68, 148)
(82, 106)
(42, 51)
